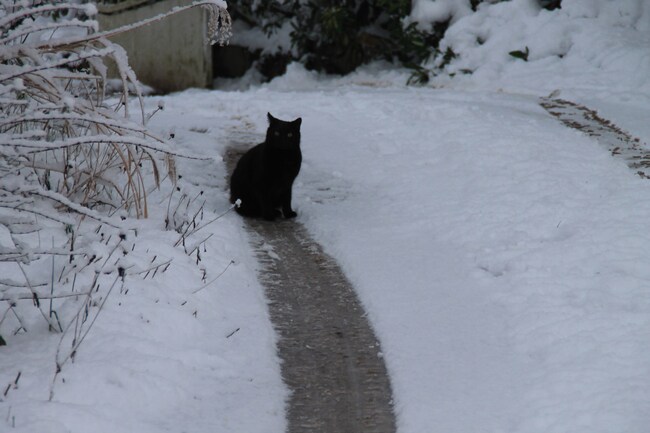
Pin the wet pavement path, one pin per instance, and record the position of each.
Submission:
(620, 143)
(331, 359)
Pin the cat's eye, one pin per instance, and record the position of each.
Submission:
(276, 133)
(290, 134)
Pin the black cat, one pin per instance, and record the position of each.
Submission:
(264, 175)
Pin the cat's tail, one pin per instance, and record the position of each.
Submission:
(243, 207)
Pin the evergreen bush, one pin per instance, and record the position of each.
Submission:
(337, 36)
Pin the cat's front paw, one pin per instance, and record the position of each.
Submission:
(290, 214)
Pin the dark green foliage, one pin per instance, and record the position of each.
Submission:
(518, 54)
(475, 3)
(447, 57)
(420, 75)
(266, 14)
(337, 36)
(274, 65)
(550, 4)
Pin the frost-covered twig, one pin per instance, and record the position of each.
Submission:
(31, 146)
(74, 58)
(68, 160)
(41, 296)
(80, 209)
(219, 25)
(24, 11)
(65, 159)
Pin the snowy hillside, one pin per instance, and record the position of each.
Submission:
(502, 257)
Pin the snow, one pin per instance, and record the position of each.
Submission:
(502, 257)
(587, 45)
(426, 11)
(159, 357)
(495, 263)
(257, 39)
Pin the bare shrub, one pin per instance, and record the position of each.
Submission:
(73, 170)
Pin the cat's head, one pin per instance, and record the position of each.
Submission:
(282, 134)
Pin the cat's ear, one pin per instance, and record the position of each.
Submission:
(297, 122)
(271, 118)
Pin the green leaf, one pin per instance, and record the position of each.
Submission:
(523, 55)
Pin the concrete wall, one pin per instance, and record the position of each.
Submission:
(168, 55)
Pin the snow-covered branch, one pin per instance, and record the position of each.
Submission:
(219, 26)
(72, 169)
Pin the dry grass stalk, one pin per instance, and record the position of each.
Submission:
(66, 157)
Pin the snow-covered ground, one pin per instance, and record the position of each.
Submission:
(502, 257)
(186, 350)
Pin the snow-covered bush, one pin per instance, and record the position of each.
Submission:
(334, 36)
(512, 42)
(72, 168)
(338, 36)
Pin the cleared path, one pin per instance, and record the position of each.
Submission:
(331, 359)
(618, 142)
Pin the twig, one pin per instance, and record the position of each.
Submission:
(233, 333)
(110, 33)
(34, 295)
(41, 296)
(187, 234)
(20, 321)
(198, 244)
(52, 288)
(232, 262)
(77, 342)
(152, 268)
